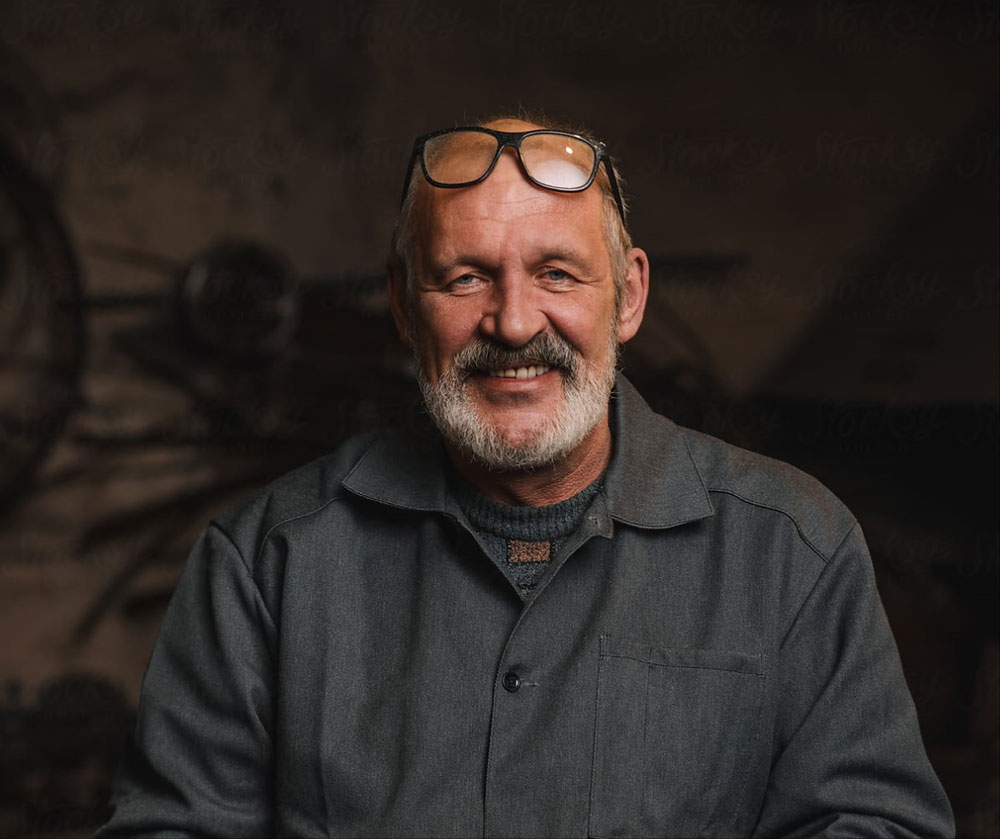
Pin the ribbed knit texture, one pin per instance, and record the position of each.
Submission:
(523, 539)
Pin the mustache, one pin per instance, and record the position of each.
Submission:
(484, 355)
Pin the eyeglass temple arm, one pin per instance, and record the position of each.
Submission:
(614, 185)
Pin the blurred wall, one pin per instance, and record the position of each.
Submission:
(816, 182)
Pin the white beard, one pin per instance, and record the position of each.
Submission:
(586, 391)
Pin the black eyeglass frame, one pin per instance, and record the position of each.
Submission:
(513, 140)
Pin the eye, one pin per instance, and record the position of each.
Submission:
(556, 275)
(464, 282)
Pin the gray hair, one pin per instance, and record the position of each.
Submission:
(616, 235)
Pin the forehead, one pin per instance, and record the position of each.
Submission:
(512, 125)
(507, 209)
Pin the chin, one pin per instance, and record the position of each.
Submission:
(523, 448)
(519, 440)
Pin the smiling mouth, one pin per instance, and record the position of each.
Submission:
(529, 372)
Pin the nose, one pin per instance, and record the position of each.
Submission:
(514, 315)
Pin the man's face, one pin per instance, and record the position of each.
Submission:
(512, 311)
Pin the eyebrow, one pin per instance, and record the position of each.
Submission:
(439, 269)
(568, 255)
(564, 255)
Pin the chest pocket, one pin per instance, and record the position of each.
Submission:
(675, 734)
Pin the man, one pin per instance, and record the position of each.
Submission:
(562, 615)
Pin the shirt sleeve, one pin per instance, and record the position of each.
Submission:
(198, 763)
(849, 758)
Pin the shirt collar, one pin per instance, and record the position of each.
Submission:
(652, 481)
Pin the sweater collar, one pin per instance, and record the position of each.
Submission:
(651, 482)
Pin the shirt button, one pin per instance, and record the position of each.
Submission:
(511, 681)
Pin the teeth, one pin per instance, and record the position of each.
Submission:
(521, 372)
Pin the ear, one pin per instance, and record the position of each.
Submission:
(636, 292)
(398, 304)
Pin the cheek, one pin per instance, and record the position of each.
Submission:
(588, 327)
(442, 334)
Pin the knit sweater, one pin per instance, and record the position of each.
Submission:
(523, 539)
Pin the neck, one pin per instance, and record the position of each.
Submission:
(545, 485)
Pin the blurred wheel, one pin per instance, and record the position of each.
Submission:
(41, 326)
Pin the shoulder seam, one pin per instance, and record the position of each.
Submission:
(214, 523)
(244, 563)
(263, 542)
(815, 583)
(337, 493)
(792, 519)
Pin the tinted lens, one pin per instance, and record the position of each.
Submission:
(558, 161)
(459, 157)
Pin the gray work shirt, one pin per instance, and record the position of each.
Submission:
(707, 656)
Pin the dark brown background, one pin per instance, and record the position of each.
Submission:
(816, 181)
